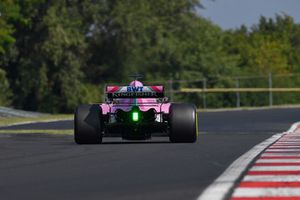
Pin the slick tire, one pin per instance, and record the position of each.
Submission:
(88, 124)
(183, 123)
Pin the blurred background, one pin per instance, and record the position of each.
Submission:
(57, 54)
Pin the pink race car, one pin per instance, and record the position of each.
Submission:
(135, 112)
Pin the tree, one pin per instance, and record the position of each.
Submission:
(143, 36)
(8, 11)
(46, 73)
(5, 93)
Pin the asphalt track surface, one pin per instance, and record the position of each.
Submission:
(37, 166)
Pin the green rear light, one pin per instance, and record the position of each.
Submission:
(135, 116)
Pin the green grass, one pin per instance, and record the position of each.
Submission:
(4, 121)
(56, 132)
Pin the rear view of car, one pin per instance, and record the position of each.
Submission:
(135, 112)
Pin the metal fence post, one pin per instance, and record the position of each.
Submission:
(204, 94)
(104, 93)
(270, 90)
(171, 89)
(238, 98)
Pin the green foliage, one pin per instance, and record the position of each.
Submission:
(271, 46)
(8, 11)
(5, 93)
(51, 53)
(57, 54)
(268, 48)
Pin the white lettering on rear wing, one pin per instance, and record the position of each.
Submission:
(135, 91)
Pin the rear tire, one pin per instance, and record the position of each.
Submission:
(88, 124)
(183, 123)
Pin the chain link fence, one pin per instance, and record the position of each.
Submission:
(233, 92)
(242, 91)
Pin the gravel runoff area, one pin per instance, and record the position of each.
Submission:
(10, 112)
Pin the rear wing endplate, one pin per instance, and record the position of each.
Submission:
(113, 92)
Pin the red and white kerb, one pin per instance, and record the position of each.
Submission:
(276, 173)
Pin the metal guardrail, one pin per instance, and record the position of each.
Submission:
(205, 91)
(238, 90)
(268, 83)
(10, 112)
(222, 90)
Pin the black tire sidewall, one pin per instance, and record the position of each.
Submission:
(88, 124)
(183, 123)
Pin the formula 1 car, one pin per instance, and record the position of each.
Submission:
(135, 112)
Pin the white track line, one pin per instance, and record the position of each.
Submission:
(34, 122)
(272, 178)
(225, 182)
(287, 142)
(280, 154)
(275, 168)
(283, 150)
(293, 128)
(283, 147)
(278, 161)
(292, 137)
(266, 192)
(222, 185)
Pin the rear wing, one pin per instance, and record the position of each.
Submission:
(113, 92)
